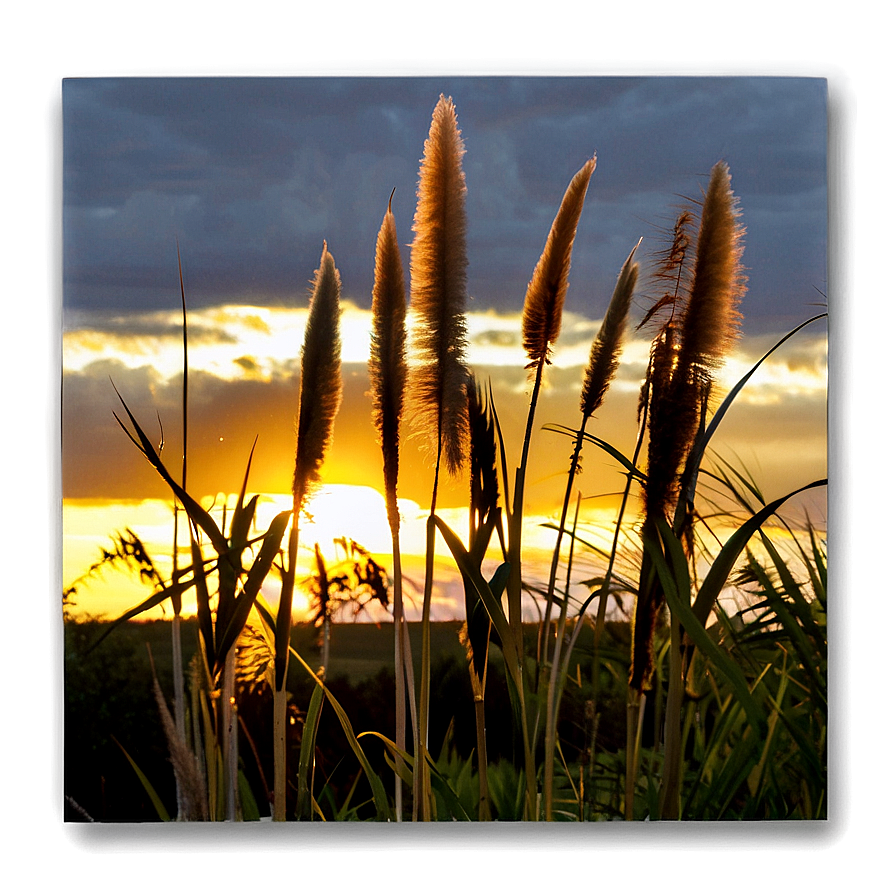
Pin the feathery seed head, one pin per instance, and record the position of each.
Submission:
(607, 346)
(194, 803)
(710, 323)
(543, 305)
(679, 375)
(483, 457)
(439, 289)
(672, 415)
(321, 386)
(672, 268)
(695, 339)
(388, 365)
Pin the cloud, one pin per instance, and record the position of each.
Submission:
(229, 340)
(251, 175)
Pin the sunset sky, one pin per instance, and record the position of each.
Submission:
(251, 176)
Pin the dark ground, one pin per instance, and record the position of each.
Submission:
(110, 708)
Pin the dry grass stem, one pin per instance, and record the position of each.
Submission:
(388, 376)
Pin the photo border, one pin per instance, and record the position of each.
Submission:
(850, 44)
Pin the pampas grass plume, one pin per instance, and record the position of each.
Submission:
(543, 305)
(388, 364)
(607, 346)
(439, 288)
(710, 324)
(321, 386)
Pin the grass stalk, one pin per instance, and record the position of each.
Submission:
(388, 376)
(602, 365)
(542, 316)
(423, 799)
(634, 725)
(319, 399)
(438, 299)
(670, 788)
(402, 660)
(553, 696)
(176, 603)
(229, 736)
(679, 380)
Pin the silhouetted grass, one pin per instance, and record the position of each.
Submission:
(680, 710)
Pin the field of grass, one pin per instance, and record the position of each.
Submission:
(684, 710)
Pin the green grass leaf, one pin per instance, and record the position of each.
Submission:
(153, 601)
(196, 513)
(257, 574)
(150, 790)
(695, 457)
(718, 573)
(306, 754)
(679, 604)
(617, 455)
(383, 811)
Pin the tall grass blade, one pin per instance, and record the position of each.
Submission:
(196, 513)
(675, 581)
(718, 573)
(376, 785)
(696, 456)
(379, 793)
(630, 468)
(512, 657)
(153, 601)
(176, 641)
(306, 756)
(157, 803)
(258, 572)
(792, 618)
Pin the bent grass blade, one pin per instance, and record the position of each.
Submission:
(150, 790)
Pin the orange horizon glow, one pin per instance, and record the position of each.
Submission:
(335, 511)
(244, 376)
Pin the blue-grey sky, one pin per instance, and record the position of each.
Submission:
(252, 175)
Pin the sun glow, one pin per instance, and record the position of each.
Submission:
(335, 512)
